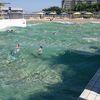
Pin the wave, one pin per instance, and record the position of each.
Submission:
(34, 24)
(95, 22)
(69, 23)
(90, 39)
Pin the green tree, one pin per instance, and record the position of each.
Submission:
(87, 7)
(58, 10)
(1, 4)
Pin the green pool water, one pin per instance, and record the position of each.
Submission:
(70, 59)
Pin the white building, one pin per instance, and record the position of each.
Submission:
(11, 17)
(11, 13)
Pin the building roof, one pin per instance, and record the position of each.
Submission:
(5, 8)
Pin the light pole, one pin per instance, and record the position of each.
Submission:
(9, 12)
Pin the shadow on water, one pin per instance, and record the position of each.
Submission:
(97, 90)
(78, 68)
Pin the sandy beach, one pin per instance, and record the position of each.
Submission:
(73, 20)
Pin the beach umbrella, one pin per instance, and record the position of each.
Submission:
(89, 13)
(40, 13)
(64, 13)
(52, 13)
(77, 13)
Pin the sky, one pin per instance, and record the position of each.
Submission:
(33, 5)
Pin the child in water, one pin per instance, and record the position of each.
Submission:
(17, 48)
(54, 33)
(40, 50)
(13, 53)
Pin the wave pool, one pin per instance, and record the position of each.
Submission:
(70, 59)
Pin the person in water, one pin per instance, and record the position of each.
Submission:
(40, 50)
(13, 54)
(54, 33)
(17, 48)
(10, 30)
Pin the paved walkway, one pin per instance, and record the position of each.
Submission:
(92, 90)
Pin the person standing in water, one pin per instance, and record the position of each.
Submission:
(40, 50)
(13, 54)
(17, 48)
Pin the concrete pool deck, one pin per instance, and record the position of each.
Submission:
(92, 90)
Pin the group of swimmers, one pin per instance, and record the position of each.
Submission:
(10, 30)
(39, 50)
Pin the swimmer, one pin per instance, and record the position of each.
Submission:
(17, 48)
(13, 53)
(54, 33)
(40, 50)
(10, 30)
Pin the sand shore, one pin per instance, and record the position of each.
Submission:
(73, 20)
